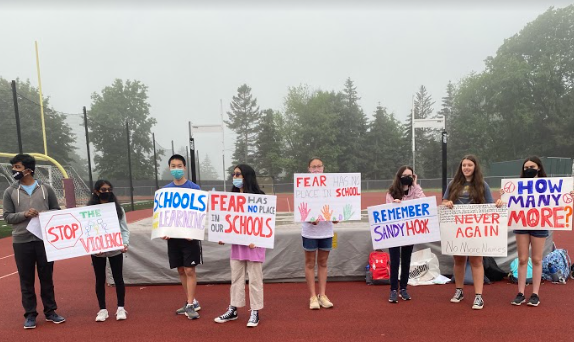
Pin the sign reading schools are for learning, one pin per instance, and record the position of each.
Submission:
(539, 203)
(242, 219)
(474, 230)
(80, 231)
(179, 213)
(327, 196)
(405, 223)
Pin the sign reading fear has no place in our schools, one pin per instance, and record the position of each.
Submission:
(242, 219)
(327, 196)
(538, 203)
(81, 231)
(406, 223)
(179, 213)
(474, 230)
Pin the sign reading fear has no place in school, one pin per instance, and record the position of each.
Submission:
(81, 231)
(327, 197)
(406, 223)
(179, 213)
(539, 203)
(242, 219)
(474, 230)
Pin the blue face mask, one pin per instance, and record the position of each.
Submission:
(177, 173)
(238, 182)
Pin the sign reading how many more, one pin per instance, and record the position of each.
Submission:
(327, 197)
(81, 231)
(179, 213)
(406, 223)
(539, 203)
(242, 219)
(474, 230)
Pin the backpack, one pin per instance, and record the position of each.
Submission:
(559, 259)
(513, 275)
(379, 269)
(491, 269)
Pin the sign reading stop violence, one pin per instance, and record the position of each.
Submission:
(81, 231)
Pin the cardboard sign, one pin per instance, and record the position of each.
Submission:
(179, 213)
(539, 203)
(474, 230)
(405, 223)
(242, 219)
(81, 231)
(327, 197)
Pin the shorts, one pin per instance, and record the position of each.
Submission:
(311, 245)
(184, 253)
(535, 233)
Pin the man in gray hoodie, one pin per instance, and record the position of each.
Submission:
(23, 201)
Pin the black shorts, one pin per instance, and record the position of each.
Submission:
(184, 253)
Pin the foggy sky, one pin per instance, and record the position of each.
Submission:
(191, 56)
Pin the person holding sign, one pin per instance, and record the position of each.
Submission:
(23, 201)
(468, 186)
(184, 254)
(103, 193)
(404, 188)
(245, 259)
(317, 243)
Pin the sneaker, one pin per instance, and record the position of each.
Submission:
(102, 315)
(190, 312)
(314, 303)
(253, 319)
(324, 301)
(55, 318)
(478, 303)
(405, 295)
(394, 297)
(30, 322)
(458, 296)
(534, 300)
(229, 315)
(519, 299)
(121, 314)
(181, 311)
(196, 305)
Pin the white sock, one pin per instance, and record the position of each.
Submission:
(121, 307)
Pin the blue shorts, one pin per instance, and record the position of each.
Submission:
(311, 245)
(535, 233)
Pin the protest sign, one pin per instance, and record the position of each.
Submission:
(327, 197)
(179, 213)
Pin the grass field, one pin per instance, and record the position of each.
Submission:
(138, 205)
(5, 230)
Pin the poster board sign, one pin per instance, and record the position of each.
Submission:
(179, 213)
(327, 197)
(474, 230)
(406, 223)
(81, 231)
(538, 203)
(242, 219)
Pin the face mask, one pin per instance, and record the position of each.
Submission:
(407, 180)
(238, 183)
(177, 173)
(17, 175)
(105, 196)
(530, 173)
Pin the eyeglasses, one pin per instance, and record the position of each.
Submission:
(236, 174)
(106, 189)
(315, 167)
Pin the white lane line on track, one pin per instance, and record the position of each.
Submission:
(7, 256)
(7, 275)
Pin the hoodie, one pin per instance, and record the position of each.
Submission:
(17, 202)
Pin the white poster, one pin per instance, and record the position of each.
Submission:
(179, 213)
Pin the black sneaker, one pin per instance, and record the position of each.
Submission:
(405, 295)
(253, 319)
(478, 303)
(229, 315)
(519, 299)
(55, 318)
(394, 297)
(534, 300)
(30, 322)
(458, 296)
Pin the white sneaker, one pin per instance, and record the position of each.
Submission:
(121, 314)
(102, 315)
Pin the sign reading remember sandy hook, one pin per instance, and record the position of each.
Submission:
(179, 213)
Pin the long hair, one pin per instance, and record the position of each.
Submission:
(396, 189)
(250, 185)
(476, 189)
(538, 162)
(94, 200)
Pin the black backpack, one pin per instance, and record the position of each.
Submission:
(491, 269)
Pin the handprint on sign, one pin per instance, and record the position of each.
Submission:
(347, 212)
(326, 213)
(304, 211)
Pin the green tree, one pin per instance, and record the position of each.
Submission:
(207, 171)
(118, 103)
(244, 120)
(426, 153)
(385, 147)
(269, 160)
